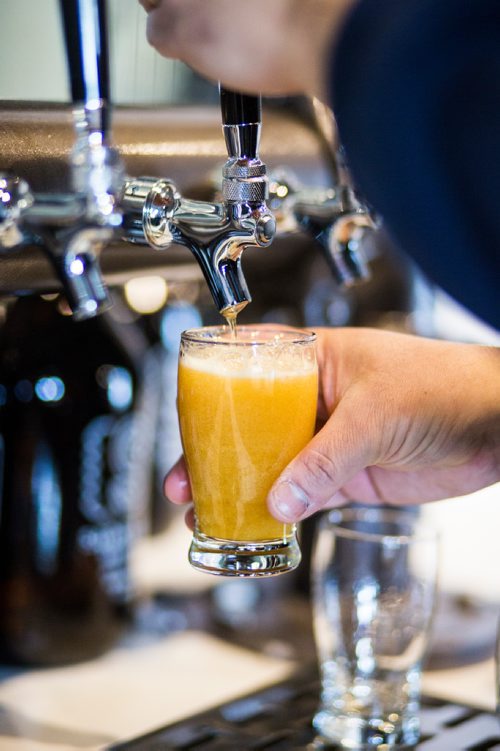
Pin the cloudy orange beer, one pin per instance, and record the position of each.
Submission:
(246, 407)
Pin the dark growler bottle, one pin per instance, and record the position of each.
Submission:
(68, 393)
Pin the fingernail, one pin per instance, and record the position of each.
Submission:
(289, 501)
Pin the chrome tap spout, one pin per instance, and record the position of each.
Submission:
(59, 224)
(216, 233)
(337, 217)
(341, 226)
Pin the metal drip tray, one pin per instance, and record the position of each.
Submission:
(278, 718)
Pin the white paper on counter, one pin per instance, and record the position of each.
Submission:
(473, 685)
(128, 692)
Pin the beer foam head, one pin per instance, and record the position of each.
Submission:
(255, 351)
(280, 361)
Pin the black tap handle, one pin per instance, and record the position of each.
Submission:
(241, 120)
(239, 109)
(85, 35)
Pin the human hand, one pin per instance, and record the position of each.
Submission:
(178, 490)
(405, 420)
(278, 47)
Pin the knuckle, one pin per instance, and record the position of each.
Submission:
(319, 467)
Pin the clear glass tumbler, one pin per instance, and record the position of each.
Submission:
(374, 580)
(247, 406)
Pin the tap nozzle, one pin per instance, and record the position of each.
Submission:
(76, 262)
(15, 199)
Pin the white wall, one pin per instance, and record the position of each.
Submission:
(33, 65)
(31, 51)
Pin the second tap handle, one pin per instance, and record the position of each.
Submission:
(85, 34)
(241, 121)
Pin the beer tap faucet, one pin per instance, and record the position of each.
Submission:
(216, 233)
(73, 227)
(96, 168)
(337, 217)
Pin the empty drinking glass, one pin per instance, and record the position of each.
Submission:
(374, 581)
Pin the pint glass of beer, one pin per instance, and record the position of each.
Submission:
(247, 406)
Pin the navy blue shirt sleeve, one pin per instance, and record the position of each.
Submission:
(415, 89)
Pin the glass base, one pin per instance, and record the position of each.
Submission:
(226, 558)
(363, 734)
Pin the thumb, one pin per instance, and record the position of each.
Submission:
(337, 453)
